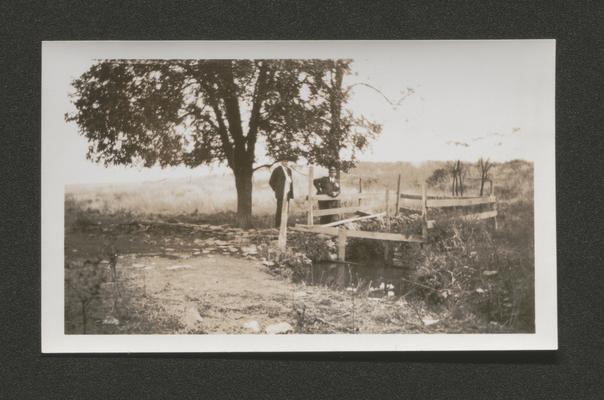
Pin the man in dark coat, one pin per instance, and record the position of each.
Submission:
(328, 185)
(280, 178)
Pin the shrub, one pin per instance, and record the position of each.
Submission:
(463, 267)
(315, 247)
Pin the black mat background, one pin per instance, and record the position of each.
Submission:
(575, 371)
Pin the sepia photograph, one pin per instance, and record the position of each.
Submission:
(298, 196)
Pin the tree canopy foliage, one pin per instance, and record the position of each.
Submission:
(195, 112)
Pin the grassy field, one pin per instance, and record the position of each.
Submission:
(469, 278)
(214, 196)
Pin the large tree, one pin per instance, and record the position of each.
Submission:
(194, 112)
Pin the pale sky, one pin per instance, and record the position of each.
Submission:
(471, 98)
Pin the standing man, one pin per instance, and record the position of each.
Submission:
(280, 178)
(328, 185)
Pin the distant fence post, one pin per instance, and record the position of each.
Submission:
(360, 190)
(398, 195)
(388, 209)
(387, 202)
(424, 212)
(309, 215)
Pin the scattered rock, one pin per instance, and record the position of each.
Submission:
(489, 273)
(174, 267)
(169, 249)
(111, 320)
(250, 250)
(252, 326)
(430, 321)
(280, 328)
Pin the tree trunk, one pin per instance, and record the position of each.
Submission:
(243, 183)
(335, 108)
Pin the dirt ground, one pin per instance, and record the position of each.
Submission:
(221, 294)
(176, 279)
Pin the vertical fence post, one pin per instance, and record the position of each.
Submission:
(309, 214)
(387, 202)
(341, 244)
(398, 195)
(284, 210)
(494, 200)
(424, 212)
(360, 191)
(386, 243)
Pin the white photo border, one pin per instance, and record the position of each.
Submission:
(54, 339)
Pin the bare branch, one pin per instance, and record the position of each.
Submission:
(259, 167)
(391, 102)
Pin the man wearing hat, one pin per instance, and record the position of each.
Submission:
(281, 177)
(328, 185)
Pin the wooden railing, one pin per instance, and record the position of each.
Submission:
(404, 201)
(355, 198)
(423, 203)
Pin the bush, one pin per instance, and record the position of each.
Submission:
(315, 247)
(463, 267)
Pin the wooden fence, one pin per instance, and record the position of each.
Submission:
(404, 201)
(423, 203)
(358, 207)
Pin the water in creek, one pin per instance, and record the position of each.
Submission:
(384, 280)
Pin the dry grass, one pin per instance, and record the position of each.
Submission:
(213, 194)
